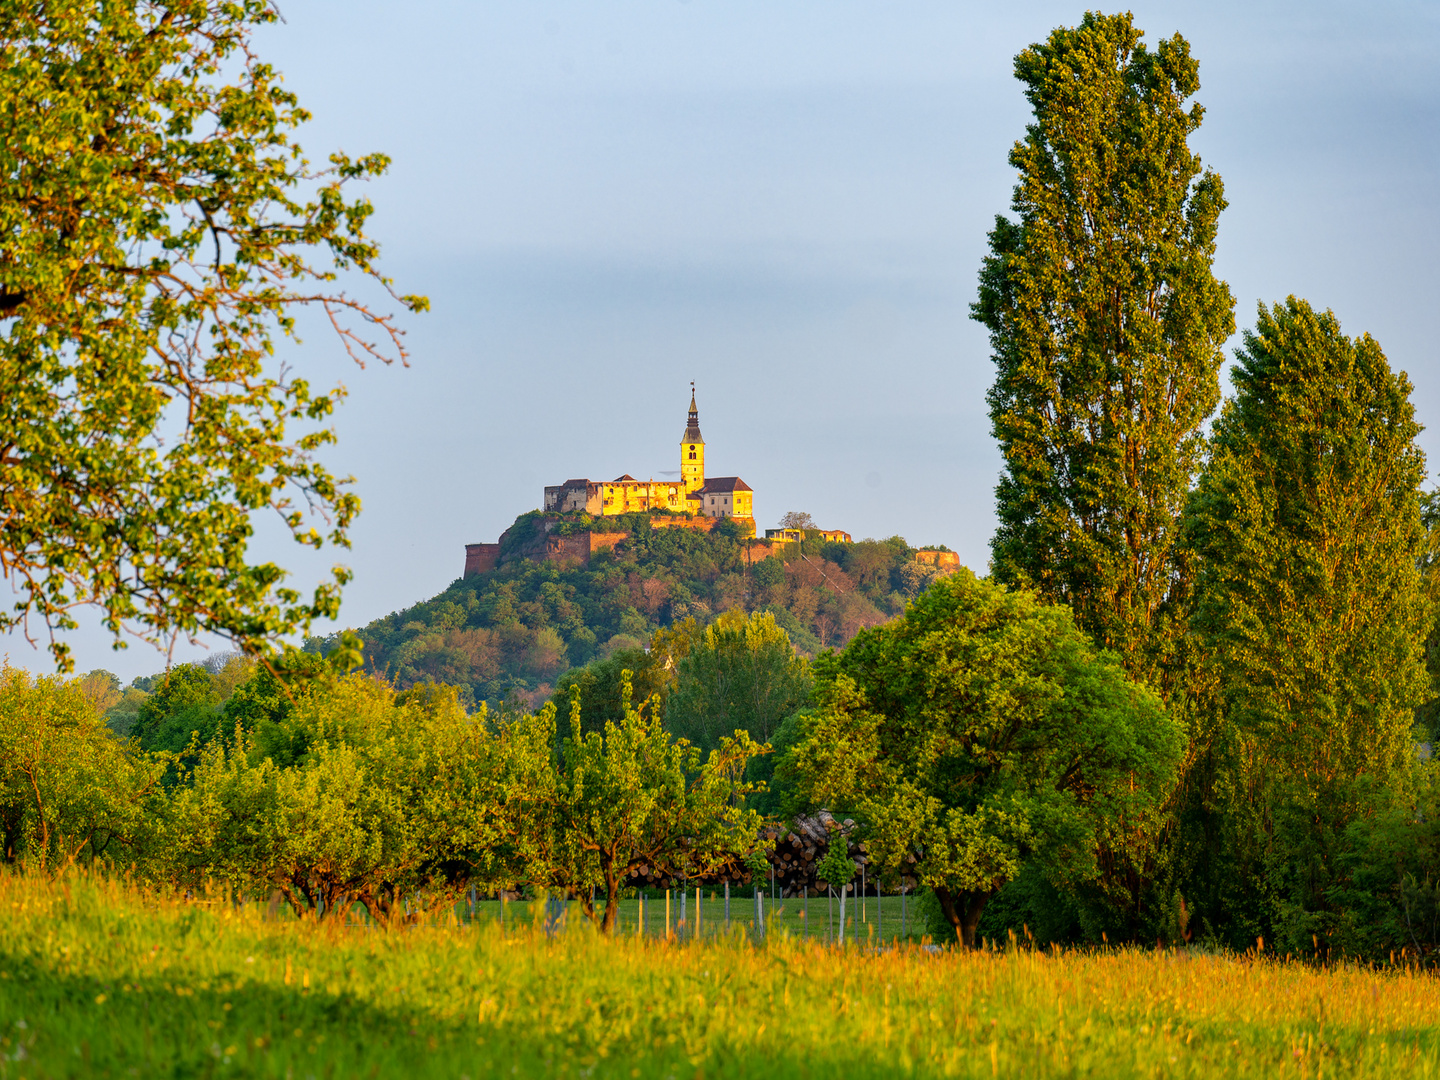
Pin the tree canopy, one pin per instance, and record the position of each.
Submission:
(980, 733)
(159, 231)
(739, 673)
(632, 797)
(68, 790)
(1309, 608)
(1106, 326)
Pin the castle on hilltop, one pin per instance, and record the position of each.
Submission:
(691, 502)
(718, 497)
(704, 502)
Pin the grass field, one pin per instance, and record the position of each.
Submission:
(100, 980)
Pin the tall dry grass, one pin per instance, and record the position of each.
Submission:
(101, 979)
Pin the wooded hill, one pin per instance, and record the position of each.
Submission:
(511, 632)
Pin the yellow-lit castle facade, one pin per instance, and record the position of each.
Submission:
(718, 497)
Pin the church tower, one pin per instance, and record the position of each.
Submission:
(692, 451)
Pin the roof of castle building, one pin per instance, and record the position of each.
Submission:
(716, 485)
(627, 478)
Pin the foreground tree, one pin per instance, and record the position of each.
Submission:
(159, 230)
(980, 733)
(631, 797)
(69, 790)
(1106, 325)
(358, 795)
(1430, 577)
(1309, 610)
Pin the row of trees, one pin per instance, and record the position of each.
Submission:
(737, 672)
(988, 750)
(1265, 580)
(338, 790)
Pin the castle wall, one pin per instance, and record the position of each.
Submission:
(704, 524)
(604, 541)
(574, 550)
(480, 558)
(567, 549)
(941, 560)
(757, 550)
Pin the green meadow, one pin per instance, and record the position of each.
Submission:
(98, 979)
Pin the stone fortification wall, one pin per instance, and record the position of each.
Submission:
(575, 548)
(480, 558)
(704, 524)
(604, 541)
(756, 550)
(941, 560)
(578, 547)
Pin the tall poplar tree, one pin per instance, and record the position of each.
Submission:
(1106, 326)
(1430, 577)
(1309, 609)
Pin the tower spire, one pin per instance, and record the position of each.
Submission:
(692, 427)
(692, 450)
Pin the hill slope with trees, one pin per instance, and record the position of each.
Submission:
(511, 632)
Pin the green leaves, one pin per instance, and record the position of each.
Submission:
(1106, 326)
(982, 732)
(631, 797)
(68, 789)
(158, 230)
(1309, 606)
(740, 673)
(355, 795)
(345, 792)
(835, 867)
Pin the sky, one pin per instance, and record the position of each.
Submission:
(785, 202)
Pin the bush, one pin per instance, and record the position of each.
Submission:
(69, 789)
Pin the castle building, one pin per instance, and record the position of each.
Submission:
(717, 497)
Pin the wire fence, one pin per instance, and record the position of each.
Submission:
(855, 916)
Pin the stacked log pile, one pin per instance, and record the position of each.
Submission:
(794, 852)
(798, 850)
(733, 872)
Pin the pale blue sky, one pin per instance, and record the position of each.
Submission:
(787, 203)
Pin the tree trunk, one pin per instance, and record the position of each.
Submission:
(612, 901)
(40, 813)
(963, 910)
